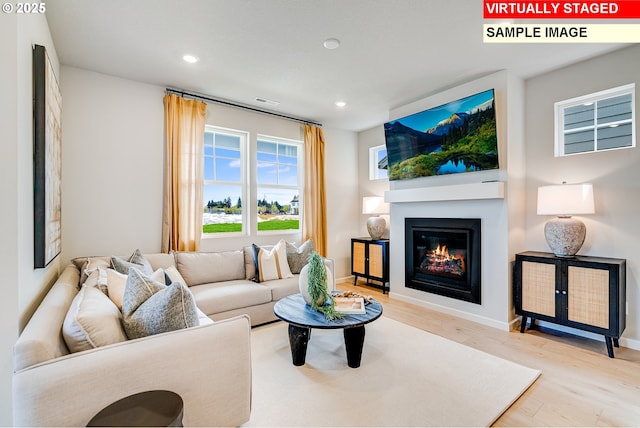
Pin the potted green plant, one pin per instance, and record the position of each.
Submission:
(313, 287)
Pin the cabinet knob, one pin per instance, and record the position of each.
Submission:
(564, 292)
(557, 291)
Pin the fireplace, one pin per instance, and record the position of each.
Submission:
(442, 256)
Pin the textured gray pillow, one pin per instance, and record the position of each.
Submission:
(149, 307)
(299, 256)
(136, 260)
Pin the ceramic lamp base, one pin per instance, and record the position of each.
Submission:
(376, 227)
(565, 235)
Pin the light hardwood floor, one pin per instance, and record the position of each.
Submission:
(579, 386)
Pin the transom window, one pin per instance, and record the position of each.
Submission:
(596, 122)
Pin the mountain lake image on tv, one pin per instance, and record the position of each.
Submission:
(456, 137)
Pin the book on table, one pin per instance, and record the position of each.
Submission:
(349, 305)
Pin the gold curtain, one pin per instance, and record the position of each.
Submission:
(182, 213)
(314, 216)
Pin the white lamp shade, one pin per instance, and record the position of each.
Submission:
(566, 199)
(374, 205)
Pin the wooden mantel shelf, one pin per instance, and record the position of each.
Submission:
(457, 192)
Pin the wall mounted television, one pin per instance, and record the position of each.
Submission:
(456, 137)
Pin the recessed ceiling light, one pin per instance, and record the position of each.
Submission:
(190, 59)
(331, 43)
(340, 104)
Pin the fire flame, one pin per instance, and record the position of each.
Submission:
(441, 254)
(442, 251)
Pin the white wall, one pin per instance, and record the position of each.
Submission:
(23, 285)
(614, 230)
(498, 215)
(341, 180)
(366, 139)
(112, 165)
(113, 168)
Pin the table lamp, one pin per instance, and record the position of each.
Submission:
(565, 234)
(375, 205)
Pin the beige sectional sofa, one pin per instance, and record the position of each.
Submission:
(209, 365)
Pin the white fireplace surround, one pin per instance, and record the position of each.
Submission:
(455, 192)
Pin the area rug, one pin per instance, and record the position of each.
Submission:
(407, 377)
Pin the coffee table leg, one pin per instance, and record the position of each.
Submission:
(353, 341)
(298, 339)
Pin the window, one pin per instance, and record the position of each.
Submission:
(224, 181)
(378, 163)
(227, 207)
(596, 122)
(279, 183)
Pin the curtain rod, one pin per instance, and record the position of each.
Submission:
(232, 104)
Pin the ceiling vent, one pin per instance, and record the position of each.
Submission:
(267, 101)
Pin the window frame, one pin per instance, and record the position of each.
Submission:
(244, 182)
(373, 162)
(299, 144)
(595, 98)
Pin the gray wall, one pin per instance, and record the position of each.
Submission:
(614, 230)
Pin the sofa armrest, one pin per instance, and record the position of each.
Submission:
(209, 366)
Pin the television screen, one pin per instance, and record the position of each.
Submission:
(456, 137)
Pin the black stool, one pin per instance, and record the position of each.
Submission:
(145, 409)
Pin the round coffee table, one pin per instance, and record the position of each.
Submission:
(145, 409)
(302, 318)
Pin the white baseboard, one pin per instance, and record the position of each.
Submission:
(627, 343)
(630, 343)
(455, 312)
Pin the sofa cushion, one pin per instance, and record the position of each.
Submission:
(160, 260)
(299, 256)
(228, 295)
(136, 260)
(150, 307)
(92, 321)
(271, 264)
(203, 268)
(283, 287)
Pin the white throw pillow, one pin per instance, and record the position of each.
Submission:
(272, 264)
(174, 275)
(92, 321)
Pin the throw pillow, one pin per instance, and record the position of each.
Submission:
(91, 264)
(271, 264)
(92, 321)
(136, 260)
(117, 282)
(299, 256)
(150, 307)
(98, 279)
(174, 276)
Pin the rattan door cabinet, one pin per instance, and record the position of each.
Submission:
(370, 259)
(586, 293)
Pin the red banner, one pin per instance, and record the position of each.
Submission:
(517, 9)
